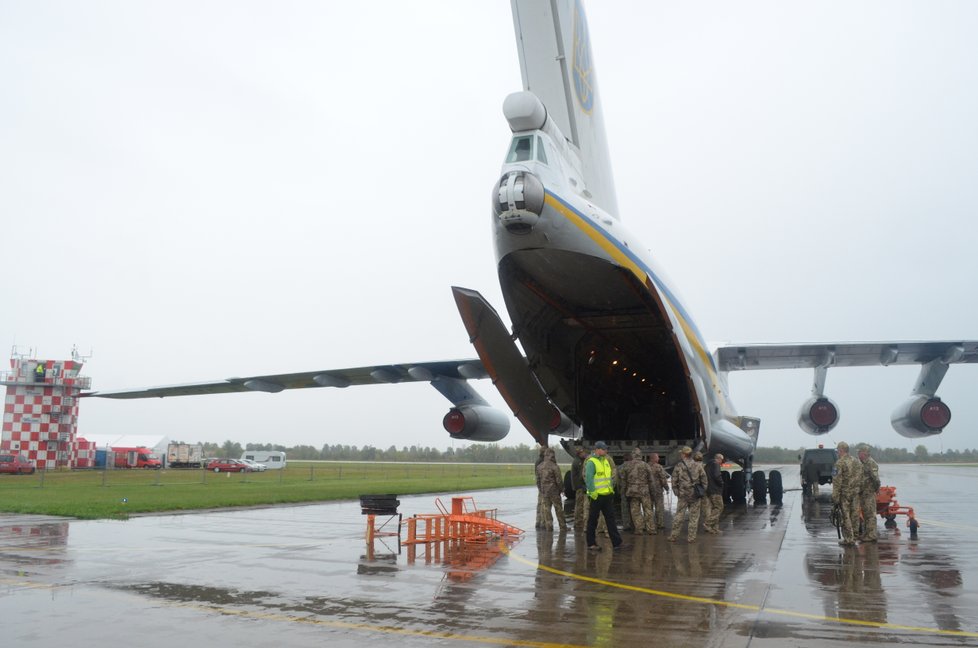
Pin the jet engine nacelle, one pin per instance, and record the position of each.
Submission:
(921, 416)
(561, 425)
(818, 415)
(476, 423)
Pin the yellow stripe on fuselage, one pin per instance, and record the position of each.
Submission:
(602, 241)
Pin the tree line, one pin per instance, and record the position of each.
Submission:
(920, 454)
(475, 453)
(523, 453)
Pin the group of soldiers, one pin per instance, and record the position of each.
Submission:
(854, 489)
(642, 484)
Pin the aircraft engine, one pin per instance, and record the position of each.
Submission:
(476, 423)
(818, 415)
(921, 416)
(562, 426)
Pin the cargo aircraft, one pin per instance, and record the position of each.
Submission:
(609, 350)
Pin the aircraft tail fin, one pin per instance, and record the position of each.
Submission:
(557, 66)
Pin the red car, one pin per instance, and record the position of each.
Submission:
(228, 465)
(16, 465)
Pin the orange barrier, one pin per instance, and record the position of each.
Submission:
(888, 507)
(464, 522)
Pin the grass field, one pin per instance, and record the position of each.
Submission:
(117, 494)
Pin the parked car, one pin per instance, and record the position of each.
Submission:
(16, 464)
(228, 465)
(255, 466)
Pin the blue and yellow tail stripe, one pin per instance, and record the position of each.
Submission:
(627, 259)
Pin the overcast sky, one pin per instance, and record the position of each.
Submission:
(199, 190)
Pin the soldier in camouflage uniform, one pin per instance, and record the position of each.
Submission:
(686, 473)
(549, 485)
(869, 486)
(702, 502)
(845, 492)
(621, 487)
(580, 489)
(660, 485)
(540, 500)
(638, 477)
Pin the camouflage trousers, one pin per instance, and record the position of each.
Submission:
(643, 518)
(713, 507)
(658, 502)
(850, 518)
(541, 504)
(867, 502)
(686, 507)
(553, 502)
(580, 509)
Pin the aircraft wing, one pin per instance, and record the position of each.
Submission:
(740, 357)
(372, 375)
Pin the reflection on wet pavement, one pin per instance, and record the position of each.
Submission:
(301, 576)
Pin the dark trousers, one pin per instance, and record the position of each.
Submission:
(605, 505)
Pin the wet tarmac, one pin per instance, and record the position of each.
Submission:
(299, 576)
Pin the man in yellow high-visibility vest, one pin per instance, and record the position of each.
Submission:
(597, 476)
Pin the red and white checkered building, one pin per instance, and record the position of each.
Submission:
(40, 412)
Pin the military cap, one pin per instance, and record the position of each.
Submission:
(842, 445)
(600, 445)
(636, 452)
(685, 450)
(863, 447)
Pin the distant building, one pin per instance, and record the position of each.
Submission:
(40, 412)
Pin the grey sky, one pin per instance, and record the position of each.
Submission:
(199, 190)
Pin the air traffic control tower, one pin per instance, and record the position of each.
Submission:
(40, 412)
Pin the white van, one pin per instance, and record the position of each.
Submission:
(272, 460)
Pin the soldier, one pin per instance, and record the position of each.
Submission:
(660, 485)
(845, 492)
(549, 486)
(621, 487)
(869, 486)
(540, 501)
(685, 474)
(701, 502)
(714, 495)
(580, 489)
(638, 477)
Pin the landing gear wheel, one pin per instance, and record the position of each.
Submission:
(758, 485)
(774, 487)
(738, 487)
(890, 522)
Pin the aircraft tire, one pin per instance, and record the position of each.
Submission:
(759, 487)
(738, 487)
(774, 487)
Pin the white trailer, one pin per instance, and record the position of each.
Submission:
(274, 460)
(184, 455)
